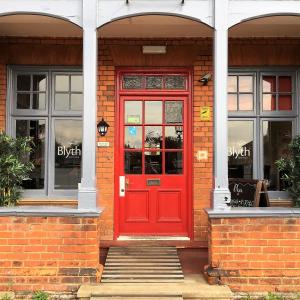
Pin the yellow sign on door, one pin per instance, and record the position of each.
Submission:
(205, 113)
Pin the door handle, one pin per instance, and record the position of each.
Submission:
(122, 186)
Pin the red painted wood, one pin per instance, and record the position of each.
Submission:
(154, 210)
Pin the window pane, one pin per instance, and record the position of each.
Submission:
(232, 102)
(76, 83)
(39, 101)
(173, 112)
(173, 163)
(240, 149)
(131, 82)
(276, 137)
(68, 145)
(133, 163)
(269, 84)
(62, 102)
(285, 84)
(133, 137)
(153, 112)
(232, 84)
(37, 130)
(269, 102)
(246, 84)
(245, 101)
(285, 102)
(76, 102)
(153, 162)
(39, 83)
(62, 83)
(173, 137)
(175, 82)
(23, 82)
(154, 82)
(23, 101)
(153, 137)
(133, 112)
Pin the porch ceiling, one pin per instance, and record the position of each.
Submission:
(273, 26)
(154, 26)
(36, 25)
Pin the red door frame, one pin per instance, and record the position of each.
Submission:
(189, 94)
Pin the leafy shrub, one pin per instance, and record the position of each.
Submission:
(15, 167)
(40, 295)
(290, 168)
(272, 296)
(5, 297)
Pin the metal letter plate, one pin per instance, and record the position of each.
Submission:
(153, 182)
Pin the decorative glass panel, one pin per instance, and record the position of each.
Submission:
(37, 130)
(153, 137)
(245, 84)
(232, 102)
(285, 102)
(133, 112)
(23, 82)
(173, 112)
(173, 163)
(133, 82)
(240, 149)
(269, 102)
(133, 137)
(153, 112)
(232, 84)
(68, 145)
(269, 84)
(62, 102)
(76, 101)
(76, 83)
(39, 83)
(276, 137)
(154, 82)
(173, 137)
(23, 101)
(39, 101)
(176, 82)
(285, 84)
(62, 83)
(153, 162)
(245, 101)
(133, 163)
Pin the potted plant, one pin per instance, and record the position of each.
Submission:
(15, 166)
(289, 166)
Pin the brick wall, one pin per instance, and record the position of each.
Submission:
(48, 253)
(256, 254)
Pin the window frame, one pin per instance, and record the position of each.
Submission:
(49, 115)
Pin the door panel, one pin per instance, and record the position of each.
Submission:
(153, 156)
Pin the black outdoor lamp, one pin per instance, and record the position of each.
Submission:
(102, 127)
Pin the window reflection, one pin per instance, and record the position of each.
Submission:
(153, 162)
(133, 163)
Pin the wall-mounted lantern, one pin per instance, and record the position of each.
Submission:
(102, 127)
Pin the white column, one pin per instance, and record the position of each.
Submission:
(221, 193)
(87, 188)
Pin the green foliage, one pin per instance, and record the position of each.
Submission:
(6, 297)
(272, 296)
(15, 167)
(40, 295)
(290, 168)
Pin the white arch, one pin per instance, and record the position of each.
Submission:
(241, 11)
(68, 10)
(109, 11)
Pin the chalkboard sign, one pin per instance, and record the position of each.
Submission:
(248, 193)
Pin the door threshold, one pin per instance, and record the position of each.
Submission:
(152, 238)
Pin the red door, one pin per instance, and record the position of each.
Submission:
(152, 196)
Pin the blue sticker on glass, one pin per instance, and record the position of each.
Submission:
(132, 130)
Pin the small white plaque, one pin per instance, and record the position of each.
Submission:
(103, 144)
(202, 155)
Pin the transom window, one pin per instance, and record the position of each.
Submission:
(46, 104)
(262, 120)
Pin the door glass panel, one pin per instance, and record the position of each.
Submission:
(37, 130)
(153, 112)
(240, 149)
(39, 101)
(232, 102)
(173, 137)
(285, 102)
(153, 162)
(232, 84)
(68, 145)
(23, 101)
(269, 102)
(245, 101)
(269, 84)
(133, 112)
(285, 84)
(23, 82)
(62, 83)
(76, 83)
(154, 82)
(133, 137)
(245, 84)
(133, 163)
(131, 82)
(276, 137)
(153, 137)
(39, 83)
(175, 82)
(173, 112)
(173, 163)
(76, 102)
(62, 102)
